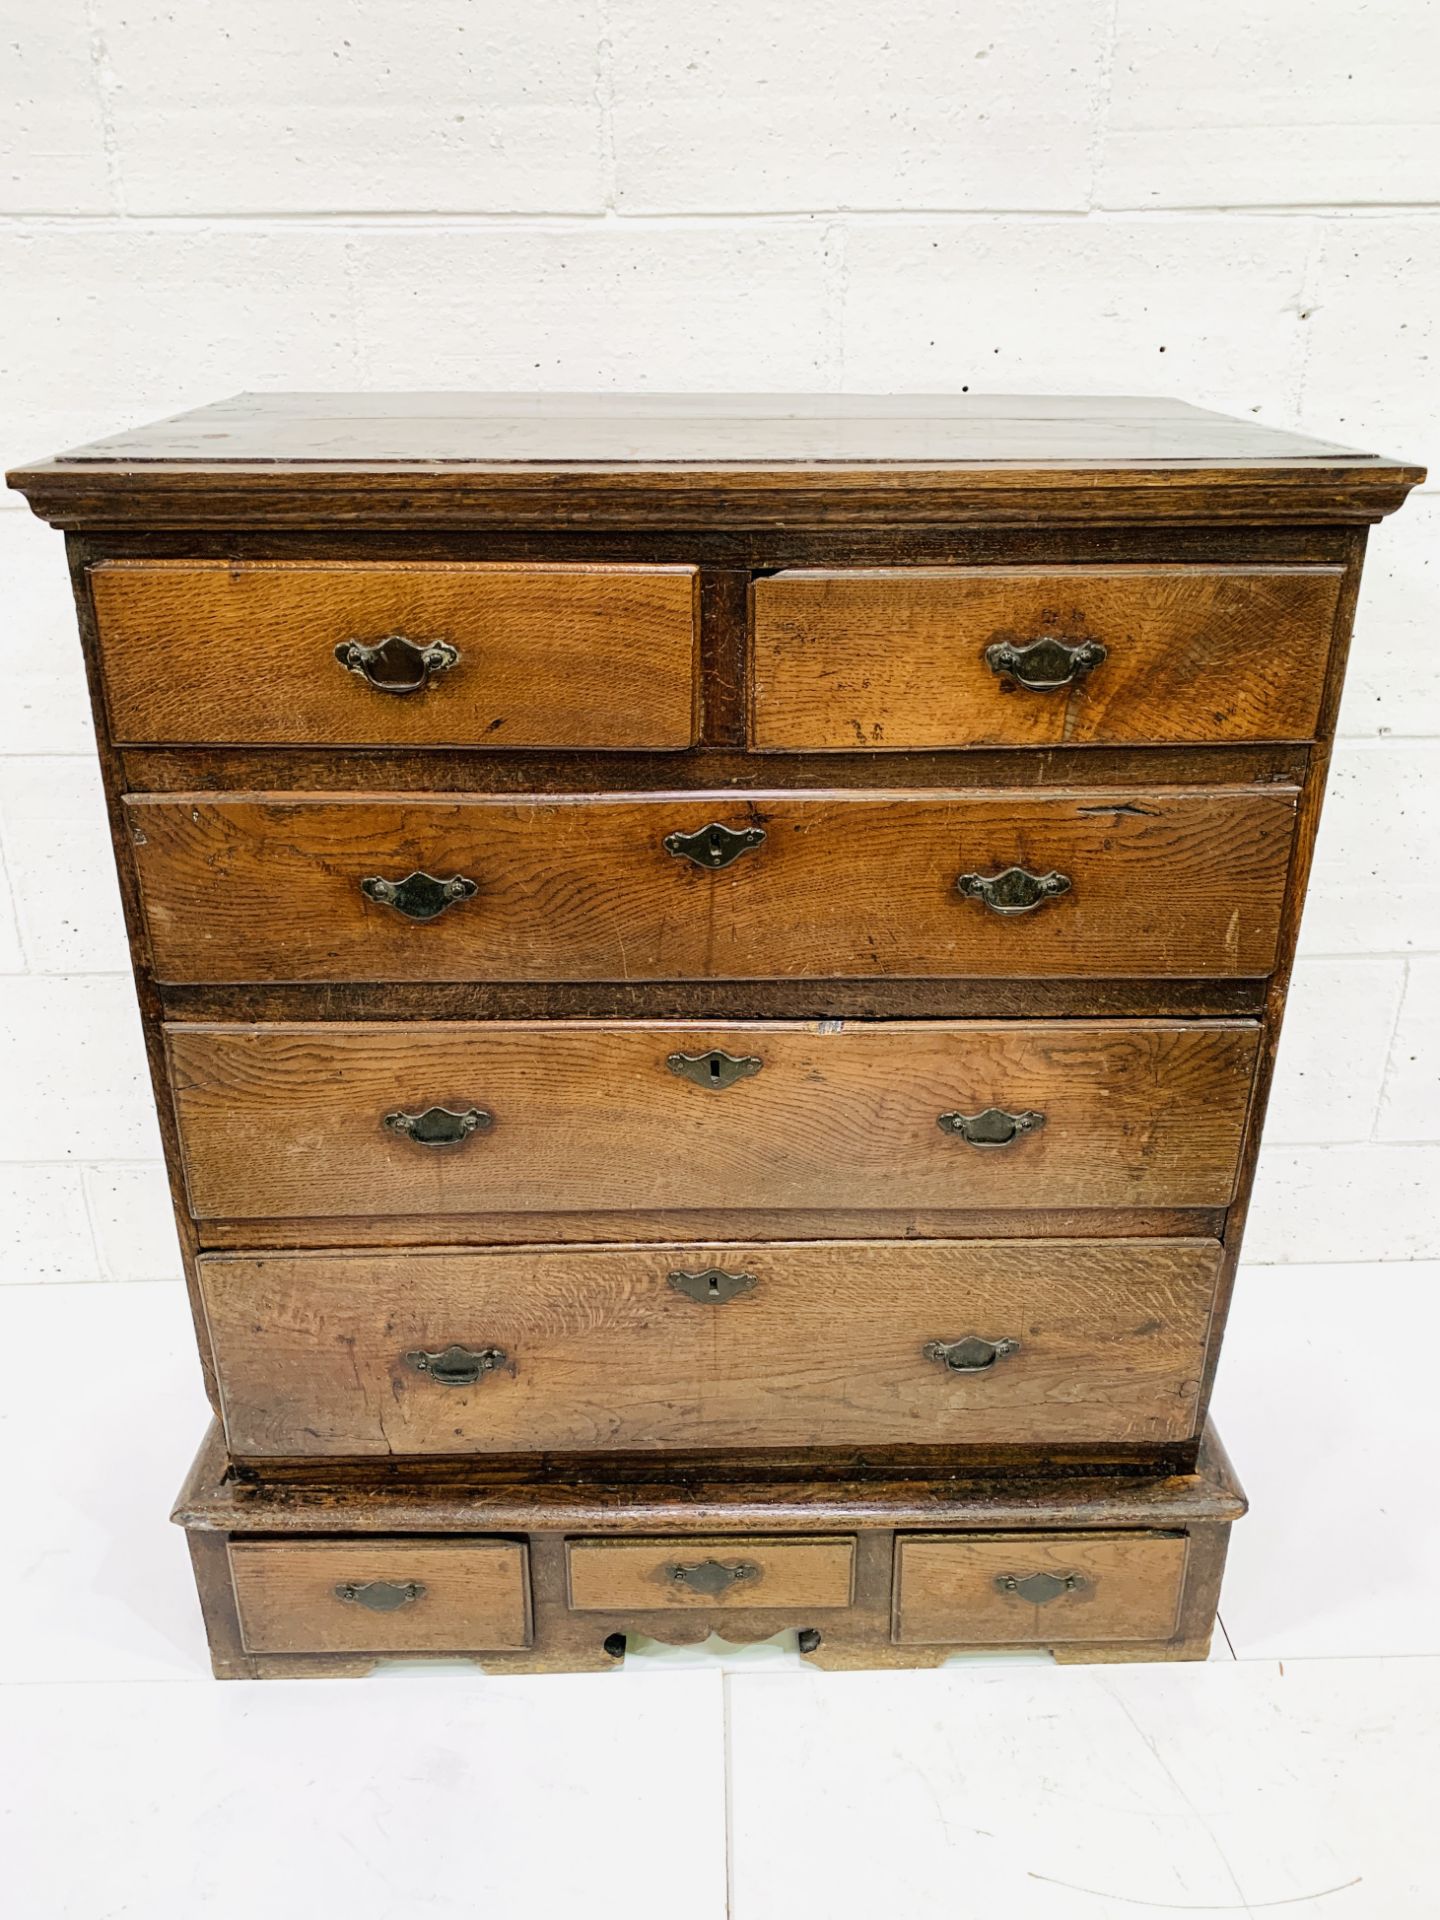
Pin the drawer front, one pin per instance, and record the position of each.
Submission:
(1121, 656)
(412, 1595)
(441, 1118)
(213, 652)
(634, 1349)
(645, 1576)
(1163, 883)
(1037, 1589)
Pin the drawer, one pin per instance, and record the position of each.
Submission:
(652, 1576)
(243, 653)
(638, 1349)
(410, 1595)
(1169, 882)
(927, 657)
(1037, 1589)
(439, 1117)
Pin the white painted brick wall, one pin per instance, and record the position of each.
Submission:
(1238, 203)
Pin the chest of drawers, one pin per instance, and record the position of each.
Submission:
(711, 970)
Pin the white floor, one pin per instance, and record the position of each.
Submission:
(1297, 1771)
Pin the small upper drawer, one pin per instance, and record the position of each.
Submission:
(412, 1595)
(426, 654)
(1040, 656)
(643, 1576)
(1037, 1590)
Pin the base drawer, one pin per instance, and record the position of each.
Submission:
(414, 1595)
(643, 1575)
(1037, 1589)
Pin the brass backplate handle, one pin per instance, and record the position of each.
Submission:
(714, 846)
(419, 896)
(715, 1069)
(1013, 891)
(457, 1366)
(712, 1286)
(992, 1128)
(439, 1126)
(713, 1577)
(1046, 664)
(1037, 1588)
(970, 1355)
(397, 665)
(380, 1596)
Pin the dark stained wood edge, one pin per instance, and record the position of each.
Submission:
(724, 1226)
(380, 1497)
(92, 496)
(718, 1000)
(714, 770)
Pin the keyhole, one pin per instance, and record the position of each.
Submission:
(714, 1068)
(714, 1288)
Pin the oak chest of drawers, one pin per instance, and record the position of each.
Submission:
(711, 970)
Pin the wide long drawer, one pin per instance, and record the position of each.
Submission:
(637, 1349)
(1172, 882)
(1040, 656)
(421, 654)
(440, 1118)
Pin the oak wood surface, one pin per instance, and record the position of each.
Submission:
(240, 652)
(639, 1575)
(830, 1494)
(243, 888)
(1129, 1588)
(338, 460)
(474, 1595)
(895, 658)
(287, 1121)
(826, 1346)
(563, 428)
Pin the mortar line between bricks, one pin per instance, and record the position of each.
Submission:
(585, 219)
(1100, 123)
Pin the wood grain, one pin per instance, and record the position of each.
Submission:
(475, 1595)
(602, 1352)
(238, 652)
(1130, 1588)
(746, 461)
(287, 1121)
(268, 887)
(638, 1575)
(895, 658)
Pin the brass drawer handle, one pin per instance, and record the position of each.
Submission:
(457, 1366)
(715, 1069)
(1014, 890)
(970, 1355)
(438, 1126)
(992, 1128)
(1037, 1588)
(380, 1596)
(714, 846)
(1047, 664)
(712, 1577)
(419, 896)
(395, 664)
(712, 1286)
